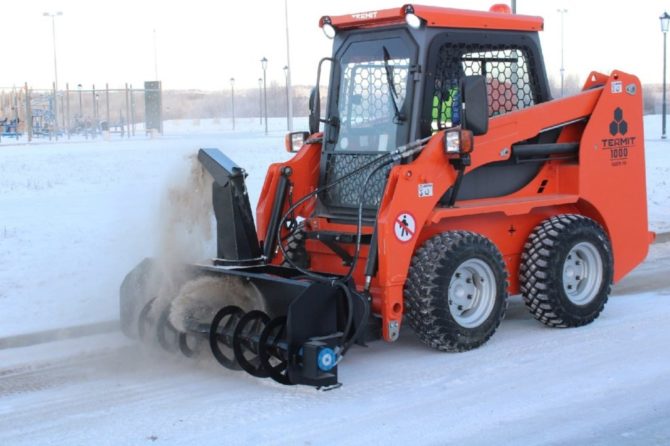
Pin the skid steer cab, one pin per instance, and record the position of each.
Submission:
(439, 178)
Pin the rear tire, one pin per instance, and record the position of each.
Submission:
(566, 271)
(456, 291)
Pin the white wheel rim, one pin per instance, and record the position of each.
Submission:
(472, 293)
(582, 273)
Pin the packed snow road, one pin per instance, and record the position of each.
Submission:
(606, 383)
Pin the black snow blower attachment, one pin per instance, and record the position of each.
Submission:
(268, 320)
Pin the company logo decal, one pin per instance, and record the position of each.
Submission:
(619, 144)
(618, 125)
(365, 15)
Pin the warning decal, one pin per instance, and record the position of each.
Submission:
(404, 227)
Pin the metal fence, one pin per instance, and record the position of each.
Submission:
(82, 110)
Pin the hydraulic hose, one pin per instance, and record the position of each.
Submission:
(341, 282)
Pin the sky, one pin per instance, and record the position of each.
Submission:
(201, 44)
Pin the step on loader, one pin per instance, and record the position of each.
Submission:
(440, 178)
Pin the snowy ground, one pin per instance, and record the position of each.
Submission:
(75, 217)
(604, 384)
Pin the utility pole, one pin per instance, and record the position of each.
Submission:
(665, 21)
(53, 16)
(264, 65)
(260, 100)
(288, 101)
(80, 109)
(513, 6)
(232, 98)
(155, 56)
(289, 86)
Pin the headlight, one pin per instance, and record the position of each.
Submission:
(458, 141)
(328, 28)
(452, 142)
(295, 140)
(412, 20)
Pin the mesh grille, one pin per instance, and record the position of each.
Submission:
(508, 72)
(347, 193)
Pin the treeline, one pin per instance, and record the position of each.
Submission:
(652, 94)
(181, 104)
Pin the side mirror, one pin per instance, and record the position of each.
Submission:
(314, 110)
(475, 116)
(295, 140)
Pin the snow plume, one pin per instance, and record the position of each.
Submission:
(186, 218)
(184, 229)
(186, 237)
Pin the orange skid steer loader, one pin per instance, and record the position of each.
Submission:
(440, 178)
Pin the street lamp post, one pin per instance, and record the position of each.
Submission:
(53, 16)
(232, 98)
(562, 12)
(81, 115)
(289, 85)
(260, 100)
(97, 98)
(155, 55)
(665, 21)
(288, 101)
(264, 65)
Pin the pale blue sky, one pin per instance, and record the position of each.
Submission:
(201, 44)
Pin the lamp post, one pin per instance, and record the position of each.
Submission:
(665, 21)
(232, 98)
(97, 98)
(155, 56)
(81, 115)
(264, 65)
(562, 12)
(288, 101)
(260, 100)
(289, 85)
(53, 16)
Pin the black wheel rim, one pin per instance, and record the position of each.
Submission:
(274, 358)
(220, 335)
(246, 341)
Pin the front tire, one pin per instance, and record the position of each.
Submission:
(566, 271)
(456, 291)
(295, 249)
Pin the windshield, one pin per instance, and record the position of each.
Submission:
(371, 97)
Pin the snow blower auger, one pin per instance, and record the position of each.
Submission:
(444, 179)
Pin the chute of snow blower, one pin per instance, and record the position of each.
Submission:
(295, 334)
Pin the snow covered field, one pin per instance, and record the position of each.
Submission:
(75, 217)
